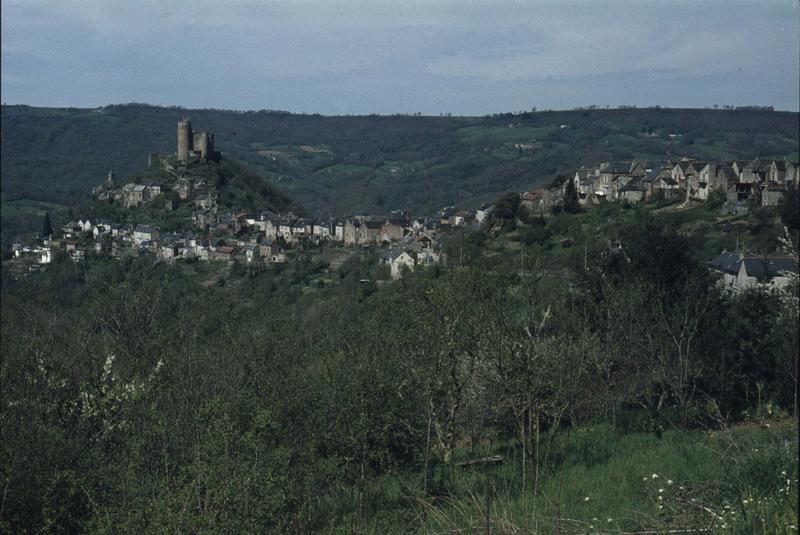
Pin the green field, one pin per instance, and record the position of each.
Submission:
(498, 134)
(29, 208)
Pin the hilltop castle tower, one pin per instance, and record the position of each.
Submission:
(197, 144)
(185, 139)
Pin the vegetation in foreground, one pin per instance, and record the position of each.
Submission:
(138, 397)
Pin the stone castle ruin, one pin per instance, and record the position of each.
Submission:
(195, 144)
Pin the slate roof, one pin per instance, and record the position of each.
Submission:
(727, 173)
(760, 267)
(727, 262)
(755, 266)
(635, 184)
(533, 195)
(618, 167)
(780, 165)
(393, 254)
(653, 174)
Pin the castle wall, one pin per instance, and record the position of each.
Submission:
(201, 144)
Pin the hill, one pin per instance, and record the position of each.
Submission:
(335, 165)
(608, 372)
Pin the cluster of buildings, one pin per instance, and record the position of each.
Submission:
(258, 238)
(190, 189)
(761, 181)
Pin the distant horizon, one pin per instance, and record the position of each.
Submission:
(742, 107)
(358, 57)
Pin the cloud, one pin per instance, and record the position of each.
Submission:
(349, 53)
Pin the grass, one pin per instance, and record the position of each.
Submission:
(597, 480)
(497, 134)
(28, 207)
(635, 482)
(717, 150)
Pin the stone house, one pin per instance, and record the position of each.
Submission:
(432, 229)
(398, 260)
(322, 230)
(392, 231)
(338, 230)
(740, 191)
(136, 195)
(667, 188)
(183, 189)
(445, 213)
(285, 229)
(792, 176)
(483, 212)
(777, 171)
(461, 217)
(697, 186)
(223, 253)
(168, 252)
(752, 172)
(352, 229)
(201, 218)
(143, 233)
(634, 191)
(685, 169)
(772, 193)
(370, 232)
(603, 188)
(725, 176)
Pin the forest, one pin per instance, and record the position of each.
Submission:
(616, 387)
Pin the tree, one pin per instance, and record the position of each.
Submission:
(506, 207)
(571, 204)
(47, 226)
(789, 210)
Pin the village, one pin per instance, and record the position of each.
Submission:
(401, 241)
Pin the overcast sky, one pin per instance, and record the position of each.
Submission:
(342, 57)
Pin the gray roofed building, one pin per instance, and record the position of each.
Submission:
(726, 262)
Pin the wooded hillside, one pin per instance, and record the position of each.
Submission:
(337, 165)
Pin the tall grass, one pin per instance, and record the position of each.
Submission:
(598, 480)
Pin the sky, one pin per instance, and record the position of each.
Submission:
(337, 57)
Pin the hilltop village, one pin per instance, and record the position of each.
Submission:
(403, 242)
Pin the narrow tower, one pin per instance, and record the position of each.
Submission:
(185, 139)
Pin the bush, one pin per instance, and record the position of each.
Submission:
(535, 235)
(716, 199)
